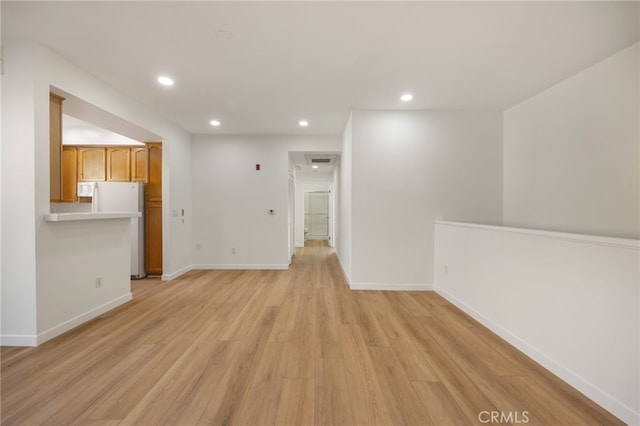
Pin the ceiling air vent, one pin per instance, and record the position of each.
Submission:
(320, 159)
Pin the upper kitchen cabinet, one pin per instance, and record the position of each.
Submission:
(91, 164)
(55, 147)
(139, 164)
(118, 164)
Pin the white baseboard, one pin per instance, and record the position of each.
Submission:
(383, 286)
(391, 286)
(344, 271)
(176, 274)
(600, 397)
(35, 340)
(18, 340)
(278, 266)
(81, 319)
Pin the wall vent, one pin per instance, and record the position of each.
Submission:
(320, 159)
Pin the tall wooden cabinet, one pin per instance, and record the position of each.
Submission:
(153, 211)
(55, 147)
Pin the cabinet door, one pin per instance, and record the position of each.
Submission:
(118, 164)
(153, 211)
(69, 174)
(55, 147)
(139, 164)
(153, 237)
(154, 184)
(91, 164)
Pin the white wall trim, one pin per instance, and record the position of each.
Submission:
(625, 243)
(241, 266)
(391, 286)
(18, 340)
(176, 274)
(81, 319)
(602, 398)
(344, 270)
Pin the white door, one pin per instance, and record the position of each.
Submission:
(317, 214)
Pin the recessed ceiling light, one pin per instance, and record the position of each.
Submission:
(165, 81)
(406, 97)
(303, 123)
(315, 166)
(214, 123)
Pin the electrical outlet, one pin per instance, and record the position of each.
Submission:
(98, 282)
(233, 251)
(446, 269)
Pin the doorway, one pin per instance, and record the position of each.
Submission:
(316, 215)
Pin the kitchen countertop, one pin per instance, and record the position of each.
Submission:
(66, 217)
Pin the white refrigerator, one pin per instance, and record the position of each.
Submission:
(126, 197)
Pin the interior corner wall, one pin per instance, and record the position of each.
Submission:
(344, 204)
(571, 153)
(19, 326)
(177, 196)
(231, 208)
(409, 169)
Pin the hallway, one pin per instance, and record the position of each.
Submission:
(292, 347)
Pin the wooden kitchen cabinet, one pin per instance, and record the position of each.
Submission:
(55, 147)
(153, 211)
(118, 164)
(91, 164)
(139, 159)
(69, 174)
(153, 237)
(154, 182)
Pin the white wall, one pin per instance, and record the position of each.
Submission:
(344, 231)
(410, 168)
(74, 254)
(571, 153)
(568, 301)
(232, 202)
(18, 202)
(30, 71)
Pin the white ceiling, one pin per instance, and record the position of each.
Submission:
(260, 67)
(78, 132)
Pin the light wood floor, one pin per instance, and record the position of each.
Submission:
(281, 347)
